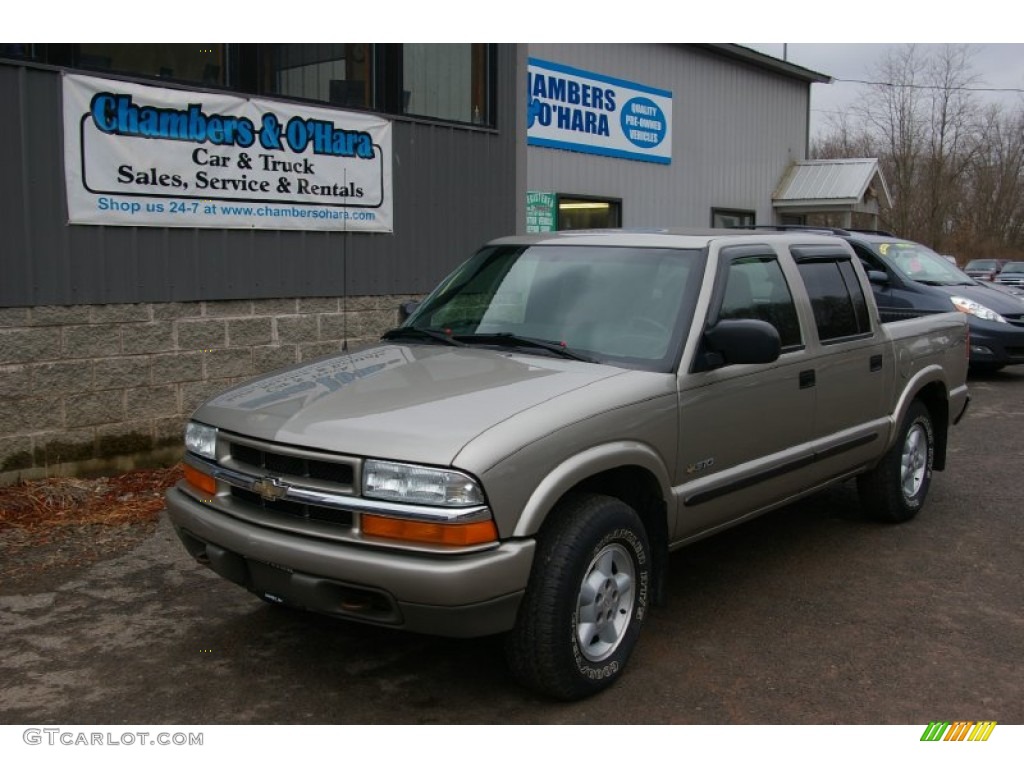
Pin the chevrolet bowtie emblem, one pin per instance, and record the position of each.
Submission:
(270, 488)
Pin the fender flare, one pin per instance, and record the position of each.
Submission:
(574, 470)
(926, 377)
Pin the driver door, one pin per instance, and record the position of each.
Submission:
(744, 429)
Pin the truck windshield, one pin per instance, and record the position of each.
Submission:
(921, 264)
(617, 305)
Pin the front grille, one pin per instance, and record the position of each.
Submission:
(298, 474)
(277, 464)
(294, 508)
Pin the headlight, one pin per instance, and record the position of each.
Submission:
(419, 485)
(201, 439)
(971, 307)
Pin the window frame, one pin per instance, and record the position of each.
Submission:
(482, 84)
(73, 56)
(614, 207)
(242, 63)
(848, 277)
(748, 218)
(727, 258)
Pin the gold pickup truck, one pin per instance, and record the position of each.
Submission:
(524, 452)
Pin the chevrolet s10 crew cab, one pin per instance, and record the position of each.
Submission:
(522, 454)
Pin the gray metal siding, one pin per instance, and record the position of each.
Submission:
(735, 129)
(454, 188)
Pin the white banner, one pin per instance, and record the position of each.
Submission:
(137, 155)
(569, 108)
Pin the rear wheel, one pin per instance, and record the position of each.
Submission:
(586, 599)
(895, 490)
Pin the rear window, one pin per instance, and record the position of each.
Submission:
(840, 309)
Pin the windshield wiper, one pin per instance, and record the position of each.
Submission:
(412, 332)
(512, 340)
(925, 281)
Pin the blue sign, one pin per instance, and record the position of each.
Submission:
(572, 109)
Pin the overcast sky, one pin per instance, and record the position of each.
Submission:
(996, 66)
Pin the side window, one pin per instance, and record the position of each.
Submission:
(869, 260)
(756, 289)
(840, 309)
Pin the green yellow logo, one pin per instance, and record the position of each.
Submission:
(958, 730)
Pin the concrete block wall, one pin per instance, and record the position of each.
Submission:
(107, 386)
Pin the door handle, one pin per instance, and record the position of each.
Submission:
(807, 379)
(876, 363)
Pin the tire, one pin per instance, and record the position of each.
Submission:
(586, 599)
(895, 490)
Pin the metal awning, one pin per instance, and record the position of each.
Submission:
(852, 185)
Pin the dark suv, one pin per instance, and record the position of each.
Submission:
(984, 269)
(910, 280)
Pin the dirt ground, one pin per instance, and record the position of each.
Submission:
(52, 528)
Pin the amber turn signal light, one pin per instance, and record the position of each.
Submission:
(451, 534)
(200, 481)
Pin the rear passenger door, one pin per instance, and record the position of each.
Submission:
(852, 365)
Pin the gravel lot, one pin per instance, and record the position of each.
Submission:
(808, 615)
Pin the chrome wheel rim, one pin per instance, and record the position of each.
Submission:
(914, 462)
(606, 600)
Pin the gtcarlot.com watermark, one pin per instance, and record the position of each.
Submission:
(71, 738)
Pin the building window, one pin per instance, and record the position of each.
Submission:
(446, 80)
(451, 82)
(334, 73)
(588, 213)
(727, 218)
(204, 63)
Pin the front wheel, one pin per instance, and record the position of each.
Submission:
(586, 600)
(895, 490)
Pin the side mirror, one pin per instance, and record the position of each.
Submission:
(406, 309)
(732, 342)
(877, 277)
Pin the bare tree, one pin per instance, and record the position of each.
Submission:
(845, 138)
(893, 114)
(955, 169)
(990, 219)
(952, 132)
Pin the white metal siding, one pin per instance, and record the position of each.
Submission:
(736, 128)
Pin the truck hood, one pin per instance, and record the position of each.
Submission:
(404, 402)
